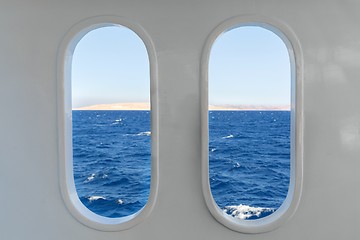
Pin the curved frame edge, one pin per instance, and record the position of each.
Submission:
(290, 204)
(64, 116)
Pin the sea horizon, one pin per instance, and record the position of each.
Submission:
(143, 106)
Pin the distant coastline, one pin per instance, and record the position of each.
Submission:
(146, 106)
(117, 106)
(250, 107)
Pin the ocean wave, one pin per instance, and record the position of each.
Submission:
(247, 212)
(94, 176)
(229, 136)
(248, 161)
(117, 121)
(144, 134)
(95, 198)
(118, 182)
(236, 165)
(219, 184)
(90, 178)
(103, 145)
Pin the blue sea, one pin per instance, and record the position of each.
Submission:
(249, 158)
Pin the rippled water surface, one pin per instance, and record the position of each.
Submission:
(249, 154)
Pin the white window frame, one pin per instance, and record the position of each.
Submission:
(65, 147)
(290, 204)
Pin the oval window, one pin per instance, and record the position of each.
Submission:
(250, 155)
(108, 123)
(111, 121)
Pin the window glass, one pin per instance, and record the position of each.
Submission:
(249, 122)
(111, 135)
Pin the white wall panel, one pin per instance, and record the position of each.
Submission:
(31, 34)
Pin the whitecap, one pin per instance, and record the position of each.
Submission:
(213, 150)
(94, 198)
(90, 178)
(120, 201)
(244, 211)
(144, 134)
(230, 136)
(117, 121)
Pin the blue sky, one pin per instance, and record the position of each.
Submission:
(110, 65)
(248, 65)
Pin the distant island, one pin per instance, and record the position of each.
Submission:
(146, 106)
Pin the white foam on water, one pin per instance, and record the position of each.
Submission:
(144, 134)
(90, 178)
(94, 175)
(94, 198)
(230, 136)
(117, 121)
(119, 201)
(237, 165)
(244, 211)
